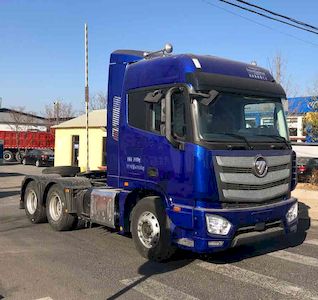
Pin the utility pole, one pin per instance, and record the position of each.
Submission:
(86, 96)
(57, 111)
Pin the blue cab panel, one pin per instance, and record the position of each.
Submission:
(188, 178)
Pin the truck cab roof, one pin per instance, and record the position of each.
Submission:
(201, 71)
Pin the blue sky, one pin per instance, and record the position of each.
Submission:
(41, 41)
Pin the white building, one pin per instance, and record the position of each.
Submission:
(12, 120)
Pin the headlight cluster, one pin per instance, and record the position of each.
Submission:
(292, 213)
(217, 225)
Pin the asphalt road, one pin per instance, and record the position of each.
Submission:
(94, 263)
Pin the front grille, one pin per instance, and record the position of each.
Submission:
(249, 170)
(248, 187)
(231, 205)
(238, 184)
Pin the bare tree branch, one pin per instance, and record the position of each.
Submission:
(58, 112)
(98, 101)
(278, 67)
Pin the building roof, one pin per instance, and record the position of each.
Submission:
(11, 116)
(96, 118)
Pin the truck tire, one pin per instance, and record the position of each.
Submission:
(8, 155)
(34, 210)
(19, 156)
(150, 229)
(67, 171)
(55, 210)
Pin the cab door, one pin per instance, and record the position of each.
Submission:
(148, 159)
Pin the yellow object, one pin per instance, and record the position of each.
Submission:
(64, 137)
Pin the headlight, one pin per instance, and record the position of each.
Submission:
(292, 213)
(217, 225)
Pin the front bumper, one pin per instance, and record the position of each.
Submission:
(248, 225)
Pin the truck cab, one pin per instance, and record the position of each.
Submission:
(198, 156)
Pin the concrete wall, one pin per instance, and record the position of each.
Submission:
(63, 147)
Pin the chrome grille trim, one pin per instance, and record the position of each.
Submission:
(259, 195)
(249, 170)
(248, 187)
(243, 162)
(251, 179)
(237, 182)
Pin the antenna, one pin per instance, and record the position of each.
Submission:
(166, 50)
(86, 96)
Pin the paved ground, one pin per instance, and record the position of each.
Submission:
(39, 263)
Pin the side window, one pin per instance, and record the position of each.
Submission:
(155, 116)
(137, 110)
(178, 122)
(144, 115)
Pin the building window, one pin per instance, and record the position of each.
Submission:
(75, 150)
(104, 152)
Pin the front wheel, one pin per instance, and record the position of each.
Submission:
(55, 210)
(150, 229)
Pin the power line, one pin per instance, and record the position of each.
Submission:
(259, 23)
(268, 17)
(279, 15)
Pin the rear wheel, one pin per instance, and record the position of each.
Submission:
(18, 156)
(55, 210)
(34, 210)
(8, 155)
(150, 229)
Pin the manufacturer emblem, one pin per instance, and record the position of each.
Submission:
(260, 166)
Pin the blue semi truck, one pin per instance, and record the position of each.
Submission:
(186, 166)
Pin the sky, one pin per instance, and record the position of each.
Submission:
(42, 41)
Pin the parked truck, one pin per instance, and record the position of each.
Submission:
(186, 167)
(16, 143)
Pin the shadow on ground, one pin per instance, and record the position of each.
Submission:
(10, 174)
(4, 194)
(150, 268)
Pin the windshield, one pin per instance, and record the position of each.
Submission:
(233, 117)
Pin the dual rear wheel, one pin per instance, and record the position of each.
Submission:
(52, 211)
(150, 226)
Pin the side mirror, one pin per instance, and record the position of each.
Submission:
(168, 119)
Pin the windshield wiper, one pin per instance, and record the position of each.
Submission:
(241, 137)
(277, 138)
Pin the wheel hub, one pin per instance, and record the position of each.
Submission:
(148, 229)
(31, 202)
(55, 207)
